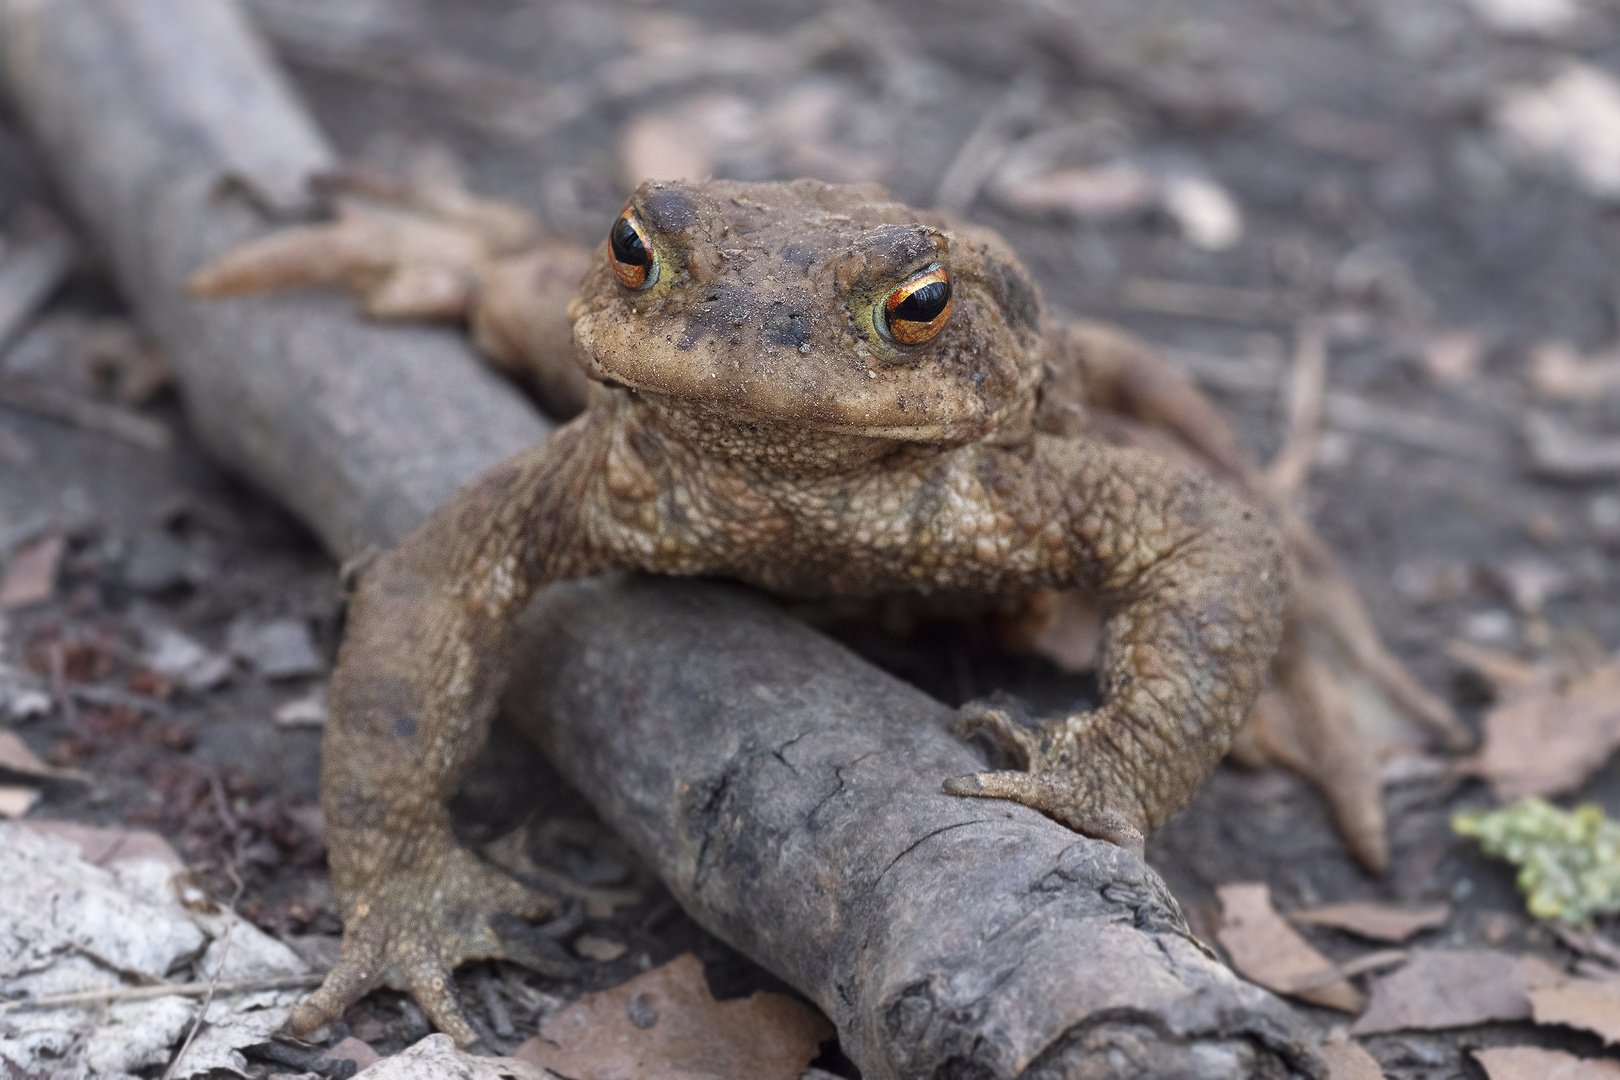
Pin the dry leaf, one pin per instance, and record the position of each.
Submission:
(1534, 1063)
(17, 801)
(1346, 1060)
(1445, 989)
(353, 1049)
(1558, 372)
(31, 576)
(1536, 18)
(1090, 192)
(1379, 922)
(1206, 213)
(599, 949)
(107, 847)
(665, 1025)
(1266, 950)
(1581, 1003)
(1573, 121)
(1453, 358)
(15, 757)
(1549, 741)
(436, 1056)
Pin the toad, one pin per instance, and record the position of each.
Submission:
(820, 392)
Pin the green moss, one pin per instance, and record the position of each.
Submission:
(1568, 860)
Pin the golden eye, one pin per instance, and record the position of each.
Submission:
(916, 310)
(634, 262)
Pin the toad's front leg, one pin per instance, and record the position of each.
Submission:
(418, 678)
(1194, 587)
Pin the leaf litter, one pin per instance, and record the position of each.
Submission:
(666, 1025)
(1534, 1063)
(1377, 922)
(1265, 949)
(103, 943)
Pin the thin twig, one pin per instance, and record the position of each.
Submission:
(1360, 965)
(219, 969)
(1307, 390)
(108, 419)
(982, 151)
(161, 990)
(59, 690)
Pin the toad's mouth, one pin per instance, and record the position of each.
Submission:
(815, 389)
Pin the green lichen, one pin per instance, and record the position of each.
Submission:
(1568, 860)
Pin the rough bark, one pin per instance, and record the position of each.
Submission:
(787, 791)
(798, 815)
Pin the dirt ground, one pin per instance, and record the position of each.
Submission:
(1359, 140)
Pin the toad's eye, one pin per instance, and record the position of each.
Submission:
(916, 310)
(630, 252)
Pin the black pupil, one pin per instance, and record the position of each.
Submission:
(627, 245)
(924, 304)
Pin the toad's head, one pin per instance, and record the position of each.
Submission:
(815, 305)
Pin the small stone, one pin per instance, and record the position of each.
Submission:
(306, 711)
(159, 562)
(1206, 213)
(599, 949)
(179, 658)
(279, 649)
(15, 801)
(1489, 628)
(31, 575)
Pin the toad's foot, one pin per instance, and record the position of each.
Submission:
(411, 252)
(420, 918)
(432, 252)
(1067, 776)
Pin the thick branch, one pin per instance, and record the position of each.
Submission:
(789, 795)
(787, 792)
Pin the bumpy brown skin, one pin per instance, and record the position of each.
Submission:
(748, 419)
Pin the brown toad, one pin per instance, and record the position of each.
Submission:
(821, 392)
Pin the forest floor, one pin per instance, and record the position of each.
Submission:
(1211, 176)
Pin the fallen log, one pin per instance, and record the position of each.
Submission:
(787, 791)
(798, 815)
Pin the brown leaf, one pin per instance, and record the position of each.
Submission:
(1581, 1003)
(1534, 1063)
(1447, 988)
(1346, 1060)
(15, 757)
(1548, 741)
(665, 1025)
(31, 576)
(1379, 922)
(1092, 192)
(1266, 950)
